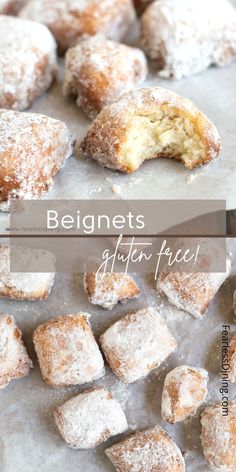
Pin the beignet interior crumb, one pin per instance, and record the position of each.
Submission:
(163, 134)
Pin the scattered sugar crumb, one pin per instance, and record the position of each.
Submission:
(116, 189)
(190, 178)
(95, 190)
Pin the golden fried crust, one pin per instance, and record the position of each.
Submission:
(219, 437)
(112, 289)
(163, 113)
(68, 20)
(67, 351)
(147, 451)
(29, 160)
(98, 71)
(185, 389)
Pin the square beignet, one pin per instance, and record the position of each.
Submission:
(191, 292)
(98, 71)
(22, 285)
(14, 360)
(33, 148)
(90, 418)
(219, 437)
(136, 344)
(185, 389)
(151, 450)
(28, 62)
(111, 289)
(67, 351)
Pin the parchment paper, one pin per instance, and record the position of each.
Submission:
(29, 440)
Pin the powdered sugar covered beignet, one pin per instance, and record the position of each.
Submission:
(33, 148)
(11, 7)
(147, 451)
(136, 344)
(67, 351)
(219, 437)
(90, 418)
(149, 123)
(192, 292)
(28, 62)
(69, 19)
(185, 37)
(232, 359)
(14, 360)
(185, 389)
(23, 285)
(110, 289)
(98, 71)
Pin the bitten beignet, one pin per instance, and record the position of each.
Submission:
(28, 62)
(67, 351)
(69, 19)
(185, 37)
(185, 389)
(33, 148)
(90, 418)
(219, 437)
(191, 292)
(232, 360)
(149, 123)
(147, 451)
(11, 7)
(136, 344)
(111, 289)
(14, 360)
(99, 71)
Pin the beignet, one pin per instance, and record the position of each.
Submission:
(219, 437)
(90, 418)
(185, 37)
(33, 148)
(192, 292)
(185, 389)
(149, 123)
(22, 285)
(136, 344)
(70, 19)
(14, 360)
(112, 288)
(28, 62)
(147, 451)
(67, 351)
(99, 71)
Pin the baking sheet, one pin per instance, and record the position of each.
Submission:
(29, 440)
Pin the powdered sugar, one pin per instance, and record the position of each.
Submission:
(187, 36)
(28, 62)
